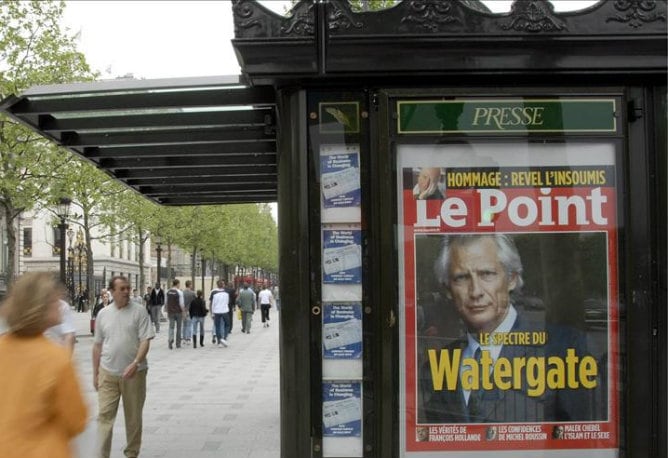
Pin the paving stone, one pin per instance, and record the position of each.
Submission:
(201, 403)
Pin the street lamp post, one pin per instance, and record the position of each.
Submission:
(63, 210)
(158, 251)
(80, 267)
(80, 258)
(70, 263)
(87, 290)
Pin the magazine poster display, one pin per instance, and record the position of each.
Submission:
(342, 368)
(341, 263)
(341, 289)
(341, 191)
(342, 340)
(508, 299)
(342, 418)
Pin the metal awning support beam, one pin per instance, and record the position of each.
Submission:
(250, 160)
(199, 150)
(201, 182)
(208, 192)
(186, 172)
(134, 85)
(145, 101)
(233, 118)
(181, 136)
(201, 200)
(184, 139)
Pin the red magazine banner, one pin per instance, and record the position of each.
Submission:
(511, 308)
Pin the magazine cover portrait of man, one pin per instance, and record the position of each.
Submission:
(477, 282)
(509, 298)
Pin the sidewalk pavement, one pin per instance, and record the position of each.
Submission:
(200, 403)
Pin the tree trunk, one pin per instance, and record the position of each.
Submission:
(140, 247)
(193, 267)
(212, 267)
(170, 277)
(10, 214)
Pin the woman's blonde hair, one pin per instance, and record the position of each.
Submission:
(26, 307)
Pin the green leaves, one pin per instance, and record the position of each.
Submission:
(34, 50)
(371, 5)
(243, 234)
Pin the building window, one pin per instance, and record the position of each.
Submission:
(120, 248)
(27, 241)
(55, 249)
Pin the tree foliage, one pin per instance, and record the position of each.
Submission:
(94, 195)
(133, 215)
(34, 50)
(243, 235)
(371, 5)
(366, 5)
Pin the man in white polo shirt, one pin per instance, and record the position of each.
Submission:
(122, 335)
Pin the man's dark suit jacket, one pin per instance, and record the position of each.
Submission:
(514, 405)
(157, 297)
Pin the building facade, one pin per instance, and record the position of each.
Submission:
(39, 250)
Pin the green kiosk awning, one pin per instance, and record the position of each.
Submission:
(183, 141)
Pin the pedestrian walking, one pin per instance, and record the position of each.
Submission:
(220, 307)
(265, 298)
(136, 298)
(103, 302)
(247, 303)
(174, 299)
(147, 300)
(42, 405)
(198, 312)
(81, 301)
(120, 366)
(232, 305)
(157, 301)
(188, 297)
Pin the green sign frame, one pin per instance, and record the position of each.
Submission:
(507, 116)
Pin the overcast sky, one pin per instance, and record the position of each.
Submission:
(168, 39)
(165, 39)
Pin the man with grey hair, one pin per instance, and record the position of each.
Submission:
(479, 273)
(458, 384)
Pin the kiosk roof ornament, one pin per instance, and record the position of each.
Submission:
(636, 13)
(327, 40)
(535, 16)
(212, 140)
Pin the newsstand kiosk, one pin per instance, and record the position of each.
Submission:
(443, 168)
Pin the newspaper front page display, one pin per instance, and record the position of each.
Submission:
(509, 298)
